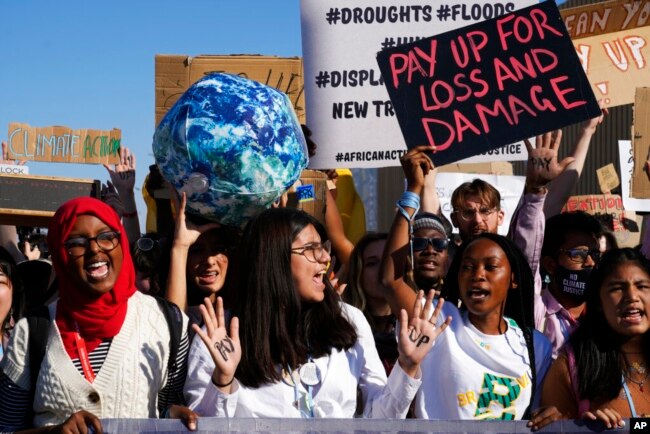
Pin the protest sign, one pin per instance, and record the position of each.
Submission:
(348, 108)
(606, 17)
(627, 167)
(607, 178)
(640, 185)
(489, 84)
(510, 188)
(600, 204)
(33, 200)
(611, 39)
(511, 152)
(59, 144)
(176, 73)
(13, 169)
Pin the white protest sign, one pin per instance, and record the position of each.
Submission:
(510, 188)
(13, 169)
(512, 152)
(627, 167)
(348, 108)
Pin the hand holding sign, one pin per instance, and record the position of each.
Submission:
(543, 166)
(416, 165)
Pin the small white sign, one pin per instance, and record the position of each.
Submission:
(13, 169)
(510, 188)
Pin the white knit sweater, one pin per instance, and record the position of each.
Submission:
(127, 384)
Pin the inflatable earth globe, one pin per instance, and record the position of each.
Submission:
(233, 145)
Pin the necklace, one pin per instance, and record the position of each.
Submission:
(638, 383)
(637, 367)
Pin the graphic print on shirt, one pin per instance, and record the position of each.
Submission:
(498, 396)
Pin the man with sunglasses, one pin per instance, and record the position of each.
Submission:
(431, 257)
(569, 254)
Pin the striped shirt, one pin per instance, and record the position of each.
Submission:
(16, 403)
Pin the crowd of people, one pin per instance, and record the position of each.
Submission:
(288, 318)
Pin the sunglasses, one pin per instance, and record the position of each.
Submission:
(420, 243)
(145, 244)
(580, 255)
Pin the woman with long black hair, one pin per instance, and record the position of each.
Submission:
(490, 362)
(293, 349)
(602, 373)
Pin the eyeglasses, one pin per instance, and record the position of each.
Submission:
(145, 244)
(439, 244)
(580, 255)
(106, 241)
(314, 251)
(470, 213)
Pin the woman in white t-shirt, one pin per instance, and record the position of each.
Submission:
(490, 362)
(294, 349)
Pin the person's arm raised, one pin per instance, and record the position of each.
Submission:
(185, 235)
(416, 164)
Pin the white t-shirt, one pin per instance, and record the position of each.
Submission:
(471, 375)
(341, 373)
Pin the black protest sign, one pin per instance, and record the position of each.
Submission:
(486, 85)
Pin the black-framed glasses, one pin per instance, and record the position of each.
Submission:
(580, 255)
(469, 214)
(313, 252)
(421, 243)
(145, 244)
(106, 241)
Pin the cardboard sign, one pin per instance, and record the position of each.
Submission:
(33, 200)
(612, 40)
(627, 167)
(510, 188)
(606, 17)
(640, 186)
(348, 108)
(309, 194)
(596, 204)
(489, 84)
(176, 73)
(607, 178)
(63, 145)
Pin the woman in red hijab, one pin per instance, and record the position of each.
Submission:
(108, 348)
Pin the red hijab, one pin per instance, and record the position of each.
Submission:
(101, 317)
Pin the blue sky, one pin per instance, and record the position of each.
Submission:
(88, 64)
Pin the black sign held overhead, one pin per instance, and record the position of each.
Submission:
(474, 89)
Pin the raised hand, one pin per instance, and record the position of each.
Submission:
(111, 198)
(543, 166)
(224, 347)
(4, 158)
(416, 337)
(186, 233)
(123, 174)
(416, 165)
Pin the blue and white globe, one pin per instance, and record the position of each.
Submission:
(233, 145)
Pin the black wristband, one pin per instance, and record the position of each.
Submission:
(223, 385)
